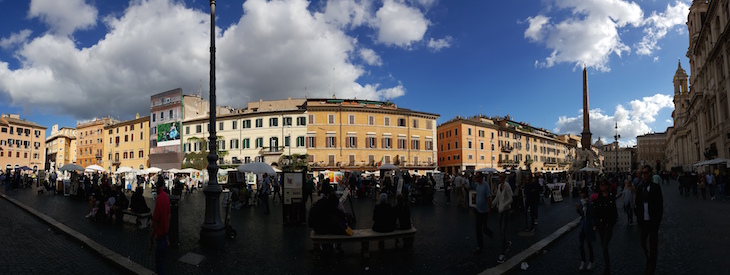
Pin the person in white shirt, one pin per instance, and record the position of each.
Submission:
(503, 202)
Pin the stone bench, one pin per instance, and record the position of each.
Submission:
(364, 237)
(141, 219)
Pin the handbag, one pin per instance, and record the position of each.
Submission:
(349, 231)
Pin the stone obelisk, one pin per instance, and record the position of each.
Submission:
(585, 140)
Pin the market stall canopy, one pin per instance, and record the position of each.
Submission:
(388, 166)
(94, 168)
(589, 169)
(123, 170)
(24, 168)
(71, 167)
(257, 168)
(153, 170)
(189, 170)
(173, 170)
(711, 162)
(488, 170)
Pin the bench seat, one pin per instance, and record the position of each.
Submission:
(141, 219)
(364, 236)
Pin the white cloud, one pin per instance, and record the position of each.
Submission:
(631, 123)
(15, 38)
(64, 17)
(275, 50)
(656, 59)
(370, 57)
(437, 45)
(658, 24)
(349, 13)
(400, 25)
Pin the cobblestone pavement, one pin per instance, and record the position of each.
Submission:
(29, 246)
(693, 239)
(264, 245)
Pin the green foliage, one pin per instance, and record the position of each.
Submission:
(199, 160)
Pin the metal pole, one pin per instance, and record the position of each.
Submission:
(212, 233)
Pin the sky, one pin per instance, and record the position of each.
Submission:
(72, 60)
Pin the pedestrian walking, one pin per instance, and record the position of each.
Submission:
(627, 198)
(702, 185)
(606, 216)
(503, 202)
(481, 212)
(308, 189)
(710, 181)
(160, 227)
(459, 184)
(532, 200)
(585, 210)
(447, 188)
(264, 192)
(649, 212)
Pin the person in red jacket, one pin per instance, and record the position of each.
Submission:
(160, 227)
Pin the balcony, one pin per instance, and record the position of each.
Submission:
(272, 150)
(116, 162)
(506, 149)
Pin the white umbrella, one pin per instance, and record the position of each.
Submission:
(189, 170)
(71, 167)
(174, 171)
(388, 166)
(153, 170)
(488, 170)
(123, 169)
(94, 168)
(257, 168)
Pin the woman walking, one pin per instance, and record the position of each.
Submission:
(627, 196)
(702, 185)
(606, 216)
(585, 210)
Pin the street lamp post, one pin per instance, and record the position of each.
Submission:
(616, 137)
(212, 233)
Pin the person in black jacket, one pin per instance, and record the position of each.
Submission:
(649, 212)
(532, 200)
(138, 204)
(606, 216)
(383, 216)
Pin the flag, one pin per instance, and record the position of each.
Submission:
(380, 162)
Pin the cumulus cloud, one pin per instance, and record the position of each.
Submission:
(64, 17)
(400, 24)
(437, 45)
(15, 39)
(590, 33)
(370, 57)
(275, 50)
(631, 122)
(658, 24)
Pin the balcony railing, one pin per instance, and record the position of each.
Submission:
(506, 149)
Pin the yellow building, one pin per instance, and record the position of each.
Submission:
(21, 143)
(650, 150)
(60, 147)
(126, 144)
(89, 142)
(469, 144)
(358, 134)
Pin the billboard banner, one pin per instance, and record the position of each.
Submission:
(168, 134)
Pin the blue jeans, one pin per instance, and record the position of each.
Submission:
(161, 248)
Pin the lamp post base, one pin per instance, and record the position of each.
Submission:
(212, 232)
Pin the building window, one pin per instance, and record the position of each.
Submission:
(171, 116)
(259, 122)
(371, 120)
(311, 119)
(311, 142)
(220, 126)
(234, 144)
(415, 144)
(351, 142)
(125, 155)
(198, 128)
(300, 141)
(330, 119)
(429, 124)
(401, 122)
(246, 143)
(287, 141)
(287, 121)
(468, 144)
(387, 143)
(154, 116)
(351, 119)
(246, 124)
(415, 123)
(301, 121)
(428, 144)
(273, 143)
(140, 154)
(273, 122)
(259, 142)
(386, 121)
(371, 142)
(162, 116)
(401, 143)
(331, 142)
(126, 138)
(187, 130)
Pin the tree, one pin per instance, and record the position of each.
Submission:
(199, 160)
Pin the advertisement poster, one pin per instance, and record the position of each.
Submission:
(168, 134)
(292, 187)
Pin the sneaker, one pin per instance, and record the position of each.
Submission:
(582, 266)
(500, 259)
(590, 266)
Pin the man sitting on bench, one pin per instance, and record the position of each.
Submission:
(383, 217)
(326, 217)
(138, 204)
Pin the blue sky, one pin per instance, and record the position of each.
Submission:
(63, 61)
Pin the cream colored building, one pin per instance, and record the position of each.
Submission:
(60, 147)
(266, 131)
(701, 126)
(469, 144)
(22, 143)
(615, 158)
(359, 134)
(650, 150)
(127, 144)
(89, 141)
